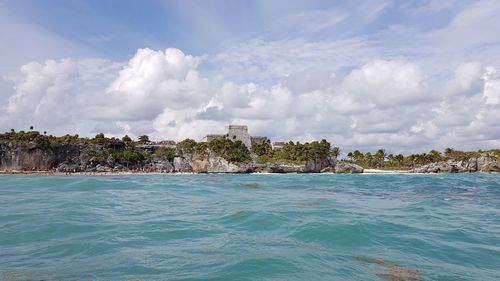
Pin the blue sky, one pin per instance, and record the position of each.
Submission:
(411, 75)
(116, 29)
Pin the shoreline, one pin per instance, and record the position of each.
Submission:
(129, 173)
(378, 171)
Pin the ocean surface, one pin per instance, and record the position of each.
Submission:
(250, 227)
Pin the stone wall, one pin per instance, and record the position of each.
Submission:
(240, 132)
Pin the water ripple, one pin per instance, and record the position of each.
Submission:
(250, 227)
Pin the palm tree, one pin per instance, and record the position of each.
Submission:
(448, 151)
(335, 152)
(380, 157)
(144, 139)
(350, 156)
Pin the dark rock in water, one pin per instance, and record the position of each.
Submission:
(251, 185)
(392, 271)
(400, 273)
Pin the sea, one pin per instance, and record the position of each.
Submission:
(250, 227)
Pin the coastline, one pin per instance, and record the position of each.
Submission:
(378, 171)
(365, 172)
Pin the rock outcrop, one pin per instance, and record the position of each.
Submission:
(78, 157)
(28, 156)
(182, 165)
(343, 168)
(315, 166)
(214, 164)
(482, 164)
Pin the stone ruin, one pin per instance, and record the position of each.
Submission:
(238, 132)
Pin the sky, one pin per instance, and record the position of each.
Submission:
(405, 76)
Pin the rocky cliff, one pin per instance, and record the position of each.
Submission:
(29, 156)
(482, 164)
(67, 157)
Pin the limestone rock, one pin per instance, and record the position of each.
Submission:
(487, 165)
(110, 161)
(69, 168)
(484, 164)
(347, 168)
(285, 168)
(181, 165)
(163, 166)
(214, 164)
(315, 166)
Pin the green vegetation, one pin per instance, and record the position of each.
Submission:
(166, 152)
(132, 153)
(296, 153)
(187, 145)
(143, 139)
(232, 151)
(381, 160)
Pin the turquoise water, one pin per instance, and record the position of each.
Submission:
(249, 227)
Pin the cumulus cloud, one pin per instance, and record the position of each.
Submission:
(387, 83)
(55, 93)
(492, 86)
(380, 103)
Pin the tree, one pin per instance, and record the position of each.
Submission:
(232, 151)
(448, 152)
(358, 155)
(262, 148)
(350, 155)
(379, 157)
(369, 158)
(166, 152)
(126, 139)
(143, 139)
(31, 128)
(335, 152)
(399, 158)
(434, 156)
(187, 145)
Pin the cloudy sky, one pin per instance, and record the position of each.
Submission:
(406, 76)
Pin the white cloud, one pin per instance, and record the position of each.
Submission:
(466, 81)
(381, 103)
(387, 83)
(492, 86)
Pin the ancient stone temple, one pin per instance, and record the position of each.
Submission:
(238, 132)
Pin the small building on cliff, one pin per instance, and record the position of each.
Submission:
(153, 146)
(278, 144)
